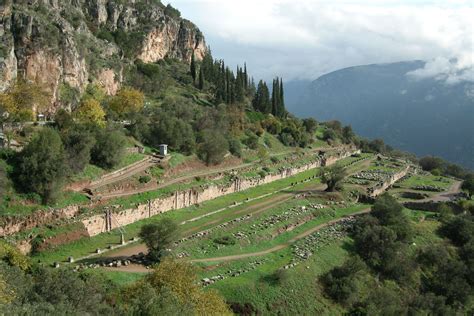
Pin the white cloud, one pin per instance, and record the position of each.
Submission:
(450, 71)
(306, 38)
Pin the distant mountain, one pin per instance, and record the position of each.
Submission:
(426, 117)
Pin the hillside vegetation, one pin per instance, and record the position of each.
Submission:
(252, 210)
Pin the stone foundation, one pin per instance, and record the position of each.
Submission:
(110, 220)
(98, 224)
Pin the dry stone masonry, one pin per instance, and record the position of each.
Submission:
(181, 199)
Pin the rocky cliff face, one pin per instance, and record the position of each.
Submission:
(66, 44)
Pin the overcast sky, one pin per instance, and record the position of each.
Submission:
(303, 39)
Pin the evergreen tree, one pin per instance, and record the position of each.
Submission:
(42, 166)
(261, 101)
(274, 99)
(193, 67)
(246, 77)
(201, 79)
(240, 85)
(282, 109)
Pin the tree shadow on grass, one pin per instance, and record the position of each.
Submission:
(348, 246)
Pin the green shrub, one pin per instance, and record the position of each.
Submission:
(172, 12)
(225, 240)
(235, 148)
(251, 141)
(144, 179)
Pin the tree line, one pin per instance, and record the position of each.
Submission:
(171, 288)
(388, 273)
(235, 88)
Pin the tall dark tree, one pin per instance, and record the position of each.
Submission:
(275, 97)
(282, 110)
(240, 85)
(201, 79)
(261, 101)
(193, 67)
(246, 77)
(158, 237)
(278, 103)
(42, 167)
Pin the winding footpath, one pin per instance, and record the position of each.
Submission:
(283, 245)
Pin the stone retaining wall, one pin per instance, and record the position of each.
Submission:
(101, 223)
(379, 189)
(97, 224)
(15, 224)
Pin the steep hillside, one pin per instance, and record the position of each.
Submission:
(426, 117)
(65, 45)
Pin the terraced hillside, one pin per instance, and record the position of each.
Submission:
(264, 240)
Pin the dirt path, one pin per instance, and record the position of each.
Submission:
(261, 207)
(281, 246)
(140, 269)
(252, 209)
(125, 173)
(445, 196)
(111, 195)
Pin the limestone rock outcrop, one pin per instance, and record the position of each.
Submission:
(65, 45)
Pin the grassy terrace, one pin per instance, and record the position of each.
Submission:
(92, 172)
(297, 291)
(426, 179)
(262, 240)
(21, 205)
(86, 246)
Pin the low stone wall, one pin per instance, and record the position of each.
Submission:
(101, 223)
(14, 224)
(104, 222)
(119, 172)
(376, 191)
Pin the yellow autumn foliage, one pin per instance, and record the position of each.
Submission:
(13, 257)
(90, 111)
(127, 100)
(21, 101)
(180, 278)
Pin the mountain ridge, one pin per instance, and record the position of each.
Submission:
(427, 117)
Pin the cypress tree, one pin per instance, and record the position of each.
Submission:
(193, 68)
(239, 85)
(262, 102)
(246, 77)
(282, 109)
(201, 79)
(274, 98)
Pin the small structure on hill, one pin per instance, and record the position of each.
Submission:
(3, 140)
(163, 150)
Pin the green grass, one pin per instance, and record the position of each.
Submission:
(92, 172)
(118, 277)
(177, 159)
(130, 159)
(272, 143)
(261, 243)
(298, 293)
(86, 246)
(427, 179)
(20, 205)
